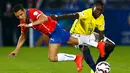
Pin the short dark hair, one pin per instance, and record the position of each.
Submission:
(98, 2)
(18, 7)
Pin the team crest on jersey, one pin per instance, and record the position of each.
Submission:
(35, 13)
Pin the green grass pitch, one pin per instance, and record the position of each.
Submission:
(34, 60)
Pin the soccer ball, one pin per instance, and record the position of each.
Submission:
(103, 67)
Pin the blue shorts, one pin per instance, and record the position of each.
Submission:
(59, 36)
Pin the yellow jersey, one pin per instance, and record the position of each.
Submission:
(86, 23)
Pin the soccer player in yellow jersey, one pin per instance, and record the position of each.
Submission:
(84, 26)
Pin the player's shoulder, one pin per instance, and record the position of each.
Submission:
(102, 16)
(88, 10)
(34, 11)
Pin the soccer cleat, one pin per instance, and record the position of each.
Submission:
(101, 48)
(78, 61)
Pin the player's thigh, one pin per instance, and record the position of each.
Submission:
(53, 50)
(72, 41)
(81, 36)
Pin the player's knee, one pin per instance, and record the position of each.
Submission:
(84, 48)
(73, 41)
(52, 59)
(110, 46)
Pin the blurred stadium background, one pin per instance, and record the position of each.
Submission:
(29, 60)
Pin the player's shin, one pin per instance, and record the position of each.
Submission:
(88, 57)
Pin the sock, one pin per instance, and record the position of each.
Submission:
(66, 57)
(88, 58)
(83, 41)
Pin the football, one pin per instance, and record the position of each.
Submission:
(103, 67)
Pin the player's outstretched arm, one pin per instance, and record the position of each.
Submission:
(21, 40)
(42, 19)
(65, 16)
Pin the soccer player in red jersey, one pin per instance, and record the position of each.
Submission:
(36, 19)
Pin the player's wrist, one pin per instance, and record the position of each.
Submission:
(31, 24)
(80, 14)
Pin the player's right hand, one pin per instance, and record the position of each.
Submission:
(13, 53)
(54, 16)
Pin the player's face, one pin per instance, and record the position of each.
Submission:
(97, 10)
(21, 15)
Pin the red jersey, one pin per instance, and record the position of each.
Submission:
(46, 28)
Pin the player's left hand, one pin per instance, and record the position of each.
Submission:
(13, 53)
(24, 25)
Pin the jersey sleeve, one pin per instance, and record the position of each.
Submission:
(84, 14)
(36, 13)
(23, 29)
(101, 24)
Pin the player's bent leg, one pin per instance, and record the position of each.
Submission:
(85, 40)
(109, 47)
(54, 56)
